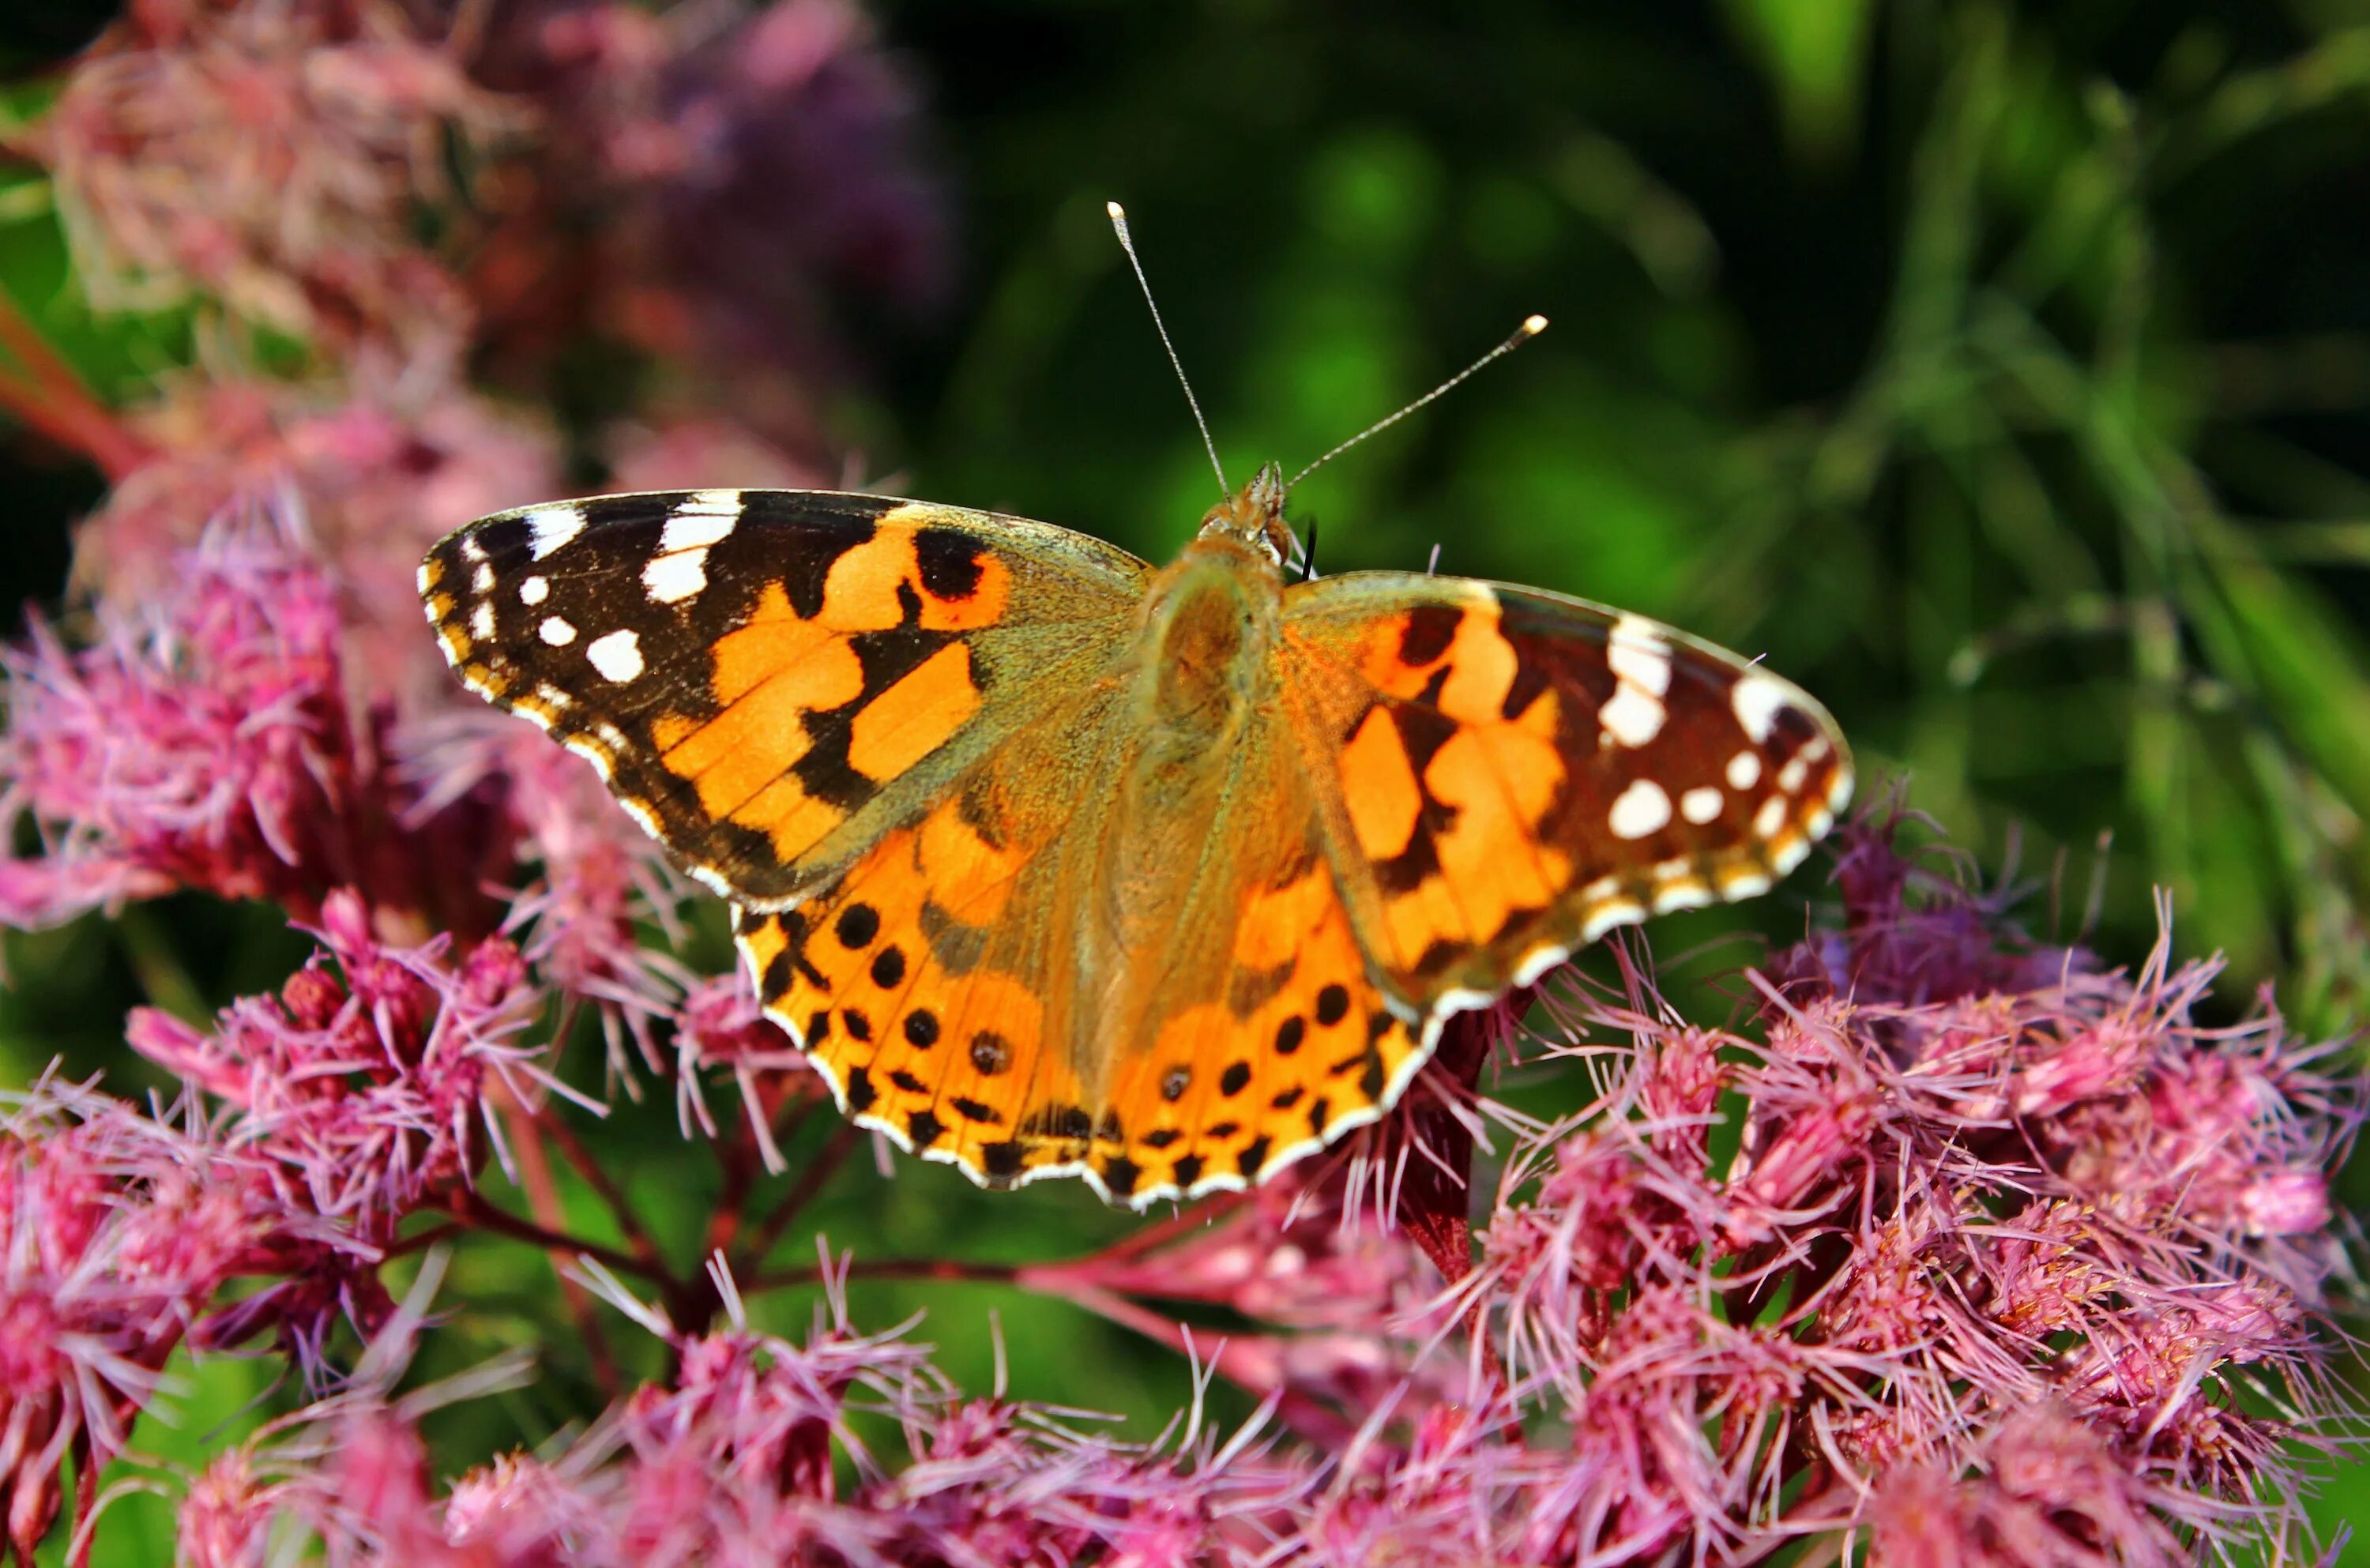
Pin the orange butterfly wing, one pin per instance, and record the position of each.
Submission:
(1509, 774)
(769, 680)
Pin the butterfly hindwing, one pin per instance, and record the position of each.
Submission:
(1513, 773)
(769, 679)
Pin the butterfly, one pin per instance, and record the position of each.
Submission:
(1053, 862)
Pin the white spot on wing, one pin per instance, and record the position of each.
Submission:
(553, 527)
(535, 589)
(1640, 654)
(1642, 809)
(1756, 699)
(1790, 777)
(482, 579)
(1632, 716)
(1701, 806)
(1620, 912)
(694, 526)
(1639, 657)
(1744, 884)
(671, 579)
(1743, 770)
(481, 621)
(617, 656)
(557, 631)
(1770, 817)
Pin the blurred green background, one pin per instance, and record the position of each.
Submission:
(1998, 371)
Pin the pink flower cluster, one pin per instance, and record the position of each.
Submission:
(203, 741)
(118, 1228)
(262, 154)
(1968, 1275)
(844, 1448)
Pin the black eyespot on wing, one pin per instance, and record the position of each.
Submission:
(856, 926)
(991, 1054)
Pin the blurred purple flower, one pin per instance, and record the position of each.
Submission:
(705, 452)
(739, 177)
(796, 139)
(275, 157)
(359, 482)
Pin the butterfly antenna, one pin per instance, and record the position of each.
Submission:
(1126, 242)
(1531, 327)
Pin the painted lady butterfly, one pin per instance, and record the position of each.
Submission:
(1054, 863)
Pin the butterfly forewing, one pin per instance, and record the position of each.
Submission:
(1512, 773)
(771, 679)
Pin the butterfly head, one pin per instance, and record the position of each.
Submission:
(1254, 515)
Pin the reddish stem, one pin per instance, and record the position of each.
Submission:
(943, 1269)
(474, 1210)
(43, 391)
(812, 1181)
(1437, 1195)
(596, 1176)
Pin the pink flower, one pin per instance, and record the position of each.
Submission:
(363, 1086)
(359, 481)
(117, 1230)
(707, 453)
(753, 1451)
(273, 157)
(2049, 1491)
(205, 743)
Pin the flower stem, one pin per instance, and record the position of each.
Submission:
(41, 390)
